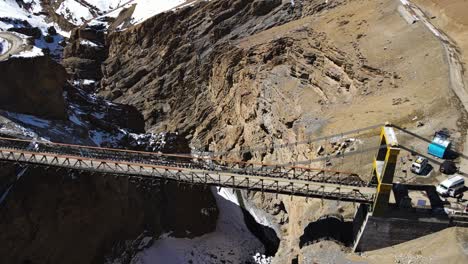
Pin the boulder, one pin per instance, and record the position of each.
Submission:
(28, 31)
(52, 31)
(33, 86)
(82, 68)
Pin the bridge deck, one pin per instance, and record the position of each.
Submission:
(291, 181)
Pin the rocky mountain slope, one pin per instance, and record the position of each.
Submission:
(44, 25)
(82, 216)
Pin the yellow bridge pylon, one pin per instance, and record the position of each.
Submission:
(383, 168)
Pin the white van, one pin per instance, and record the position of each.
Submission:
(451, 186)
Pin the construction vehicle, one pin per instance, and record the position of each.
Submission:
(420, 165)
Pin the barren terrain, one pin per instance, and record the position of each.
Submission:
(407, 82)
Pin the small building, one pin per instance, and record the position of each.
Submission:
(439, 145)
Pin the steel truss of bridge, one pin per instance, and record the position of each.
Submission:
(269, 178)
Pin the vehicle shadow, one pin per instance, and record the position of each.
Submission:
(430, 158)
(427, 170)
(451, 154)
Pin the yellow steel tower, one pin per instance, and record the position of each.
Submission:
(384, 168)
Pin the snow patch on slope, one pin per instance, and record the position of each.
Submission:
(33, 52)
(74, 12)
(88, 43)
(78, 12)
(106, 5)
(11, 9)
(144, 9)
(147, 8)
(13, 15)
(29, 119)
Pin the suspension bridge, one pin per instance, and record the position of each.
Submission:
(185, 168)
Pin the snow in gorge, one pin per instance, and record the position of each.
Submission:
(260, 218)
(231, 242)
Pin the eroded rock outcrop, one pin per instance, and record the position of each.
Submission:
(85, 53)
(217, 73)
(33, 86)
(50, 7)
(163, 65)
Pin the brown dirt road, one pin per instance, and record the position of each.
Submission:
(454, 61)
(16, 44)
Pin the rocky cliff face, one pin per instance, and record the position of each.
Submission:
(217, 72)
(167, 62)
(33, 86)
(50, 7)
(81, 216)
(56, 216)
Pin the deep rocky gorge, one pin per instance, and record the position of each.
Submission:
(89, 218)
(219, 76)
(208, 73)
(193, 72)
(230, 76)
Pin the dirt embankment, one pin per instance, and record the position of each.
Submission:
(449, 23)
(450, 17)
(447, 246)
